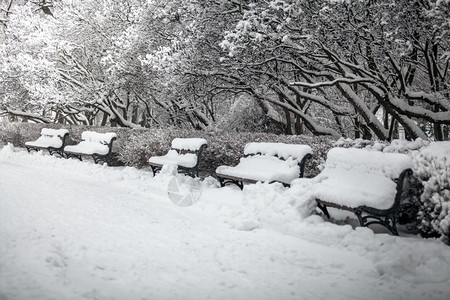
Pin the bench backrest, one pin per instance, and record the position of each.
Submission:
(189, 144)
(54, 132)
(365, 161)
(95, 137)
(281, 150)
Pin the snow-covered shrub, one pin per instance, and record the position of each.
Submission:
(396, 146)
(134, 147)
(353, 143)
(224, 148)
(433, 169)
(140, 145)
(19, 133)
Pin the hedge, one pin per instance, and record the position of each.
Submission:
(134, 147)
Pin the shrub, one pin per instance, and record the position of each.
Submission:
(134, 147)
(433, 169)
(224, 148)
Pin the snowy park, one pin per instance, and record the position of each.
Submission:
(77, 230)
(224, 150)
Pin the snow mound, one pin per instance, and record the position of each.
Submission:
(368, 162)
(263, 168)
(281, 150)
(188, 160)
(191, 144)
(273, 206)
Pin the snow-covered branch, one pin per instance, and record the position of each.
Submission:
(331, 83)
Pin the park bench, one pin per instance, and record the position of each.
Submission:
(94, 144)
(266, 162)
(367, 183)
(185, 153)
(51, 139)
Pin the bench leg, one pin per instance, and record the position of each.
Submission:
(29, 149)
(52, 150)
(225, 181)
(222, 184)
(97, 158)
(389, 221)
(324, 209)
(69, 155)
(61, 153)
(155, 169)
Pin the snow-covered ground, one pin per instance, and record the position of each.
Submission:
(75, 230)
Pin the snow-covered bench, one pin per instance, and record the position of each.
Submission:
(51, 139)
(97, 145)
(368, 183)
(267, 162)
(185, 153)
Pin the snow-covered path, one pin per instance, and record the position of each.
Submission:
(72, 230)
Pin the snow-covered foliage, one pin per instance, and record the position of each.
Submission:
(83, 63)
(134, 147)
(338, 68)
(433, 169)
(357, 64)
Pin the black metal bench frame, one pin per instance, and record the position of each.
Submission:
(51, 150)
(191, 171)
(95, 156)
(369, 215)
(239, 181)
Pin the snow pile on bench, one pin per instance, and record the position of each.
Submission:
(355, 177)
(191, 144)
(92, 143)
(266, 163)
(263, 168)
(188, 160)
(281, 150)
(49, 138)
